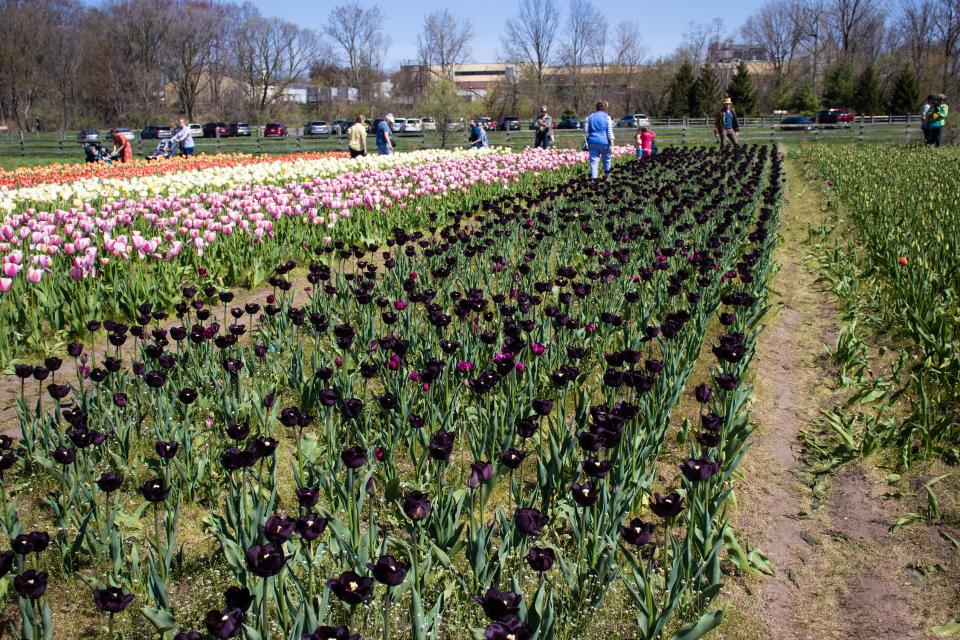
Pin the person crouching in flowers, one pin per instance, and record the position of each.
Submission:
(644, 142)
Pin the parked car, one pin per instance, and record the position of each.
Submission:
(509, 123)
(798, 123)
(275, 130)
(316, 128)
(127, 133)
(339, 127)
(835, 116)
(486, 123)
(155, 132)
(196, 130)
(216, 130)
(240, 129)
(428, 124)
(634, 121)
(570, 123)
(412, 125)
(398, 124)
(88, 135)
(456, 125)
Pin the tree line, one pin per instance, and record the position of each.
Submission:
(130, 61)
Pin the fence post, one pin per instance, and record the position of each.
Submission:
(299, 147)
(23, 150)
(860, 136)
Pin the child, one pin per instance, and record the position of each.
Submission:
(645, 142)
(165, 149)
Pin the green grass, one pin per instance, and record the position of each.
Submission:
(12, 162)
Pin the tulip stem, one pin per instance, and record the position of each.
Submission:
(110, 626)
(386, 614)
(264, 627)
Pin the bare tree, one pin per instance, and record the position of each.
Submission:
(22, 57)
(809, 17)
(627, 55)
(693, 45)
(914, 29)
(773, 28)
(583, 43)
(948, 31)
(529, 37)
(357, 34)
(444, 42)
(271, 54)
(194, 43)
(854, 25)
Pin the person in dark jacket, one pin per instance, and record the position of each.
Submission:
(726, 126)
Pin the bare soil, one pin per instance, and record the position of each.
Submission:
(839, 572)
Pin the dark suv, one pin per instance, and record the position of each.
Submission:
(509, 123)
(216, 130)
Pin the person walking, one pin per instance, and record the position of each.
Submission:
(357, 138)
(183, 138)
(385, 135)
(936, 118)
(924, 112)
(122, 150)
(544, 127)
(599, 129)
(645, 142)
(478, 135)
(726, 126)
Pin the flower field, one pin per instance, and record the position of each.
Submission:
(899, 277)
(441, 411)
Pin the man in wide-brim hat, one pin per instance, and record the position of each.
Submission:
(726, 126)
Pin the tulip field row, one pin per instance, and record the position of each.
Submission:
(63, 269)
(60, 173)
(458, 432)
(900, 278)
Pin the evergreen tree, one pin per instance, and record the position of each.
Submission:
(866, 99)
(706, 94)
(678, 106)
(838, 86)
(803, 100)
(905, 94)
(741, 91)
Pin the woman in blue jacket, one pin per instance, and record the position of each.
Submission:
(599, 129)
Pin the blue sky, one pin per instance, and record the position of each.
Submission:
(662, 29)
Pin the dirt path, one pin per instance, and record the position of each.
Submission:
(839, 572)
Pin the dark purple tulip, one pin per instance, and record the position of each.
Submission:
(388, 570)
(187, 395)
(7, 460)
(353, 457)
(727, 319)
(310, 526)
(40, 540)
(668, 506)
(480, 472)
(529, 521)
(709, 438)
(584, 494)
(416, 505)
(542, 407)
(223, 624)
(238, 431)
(23, 371)
(264, 446)
(31, 584)
(120, 400)
(703, 393)
(189, 635)
(167, 450)
(109, 482)
(637, 533)
(512, 458)
(6, 562)
(499, 605)
(541, 558)
(699, 469)
(154, 490)
(238, 598)
(351, 588)
(526, 427)
(308, 496)
(155, 379)
(74, 349)
(711, 422)
(596, 468)
(40, 373)
(509, 629)
(22, 544)
(441, 445)
(58, 391)
(265, 560)
(331, 633)
(351, 408)
(53, 363)
(726, 382)
(278, 529)
(64, 455)
(112, 599)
